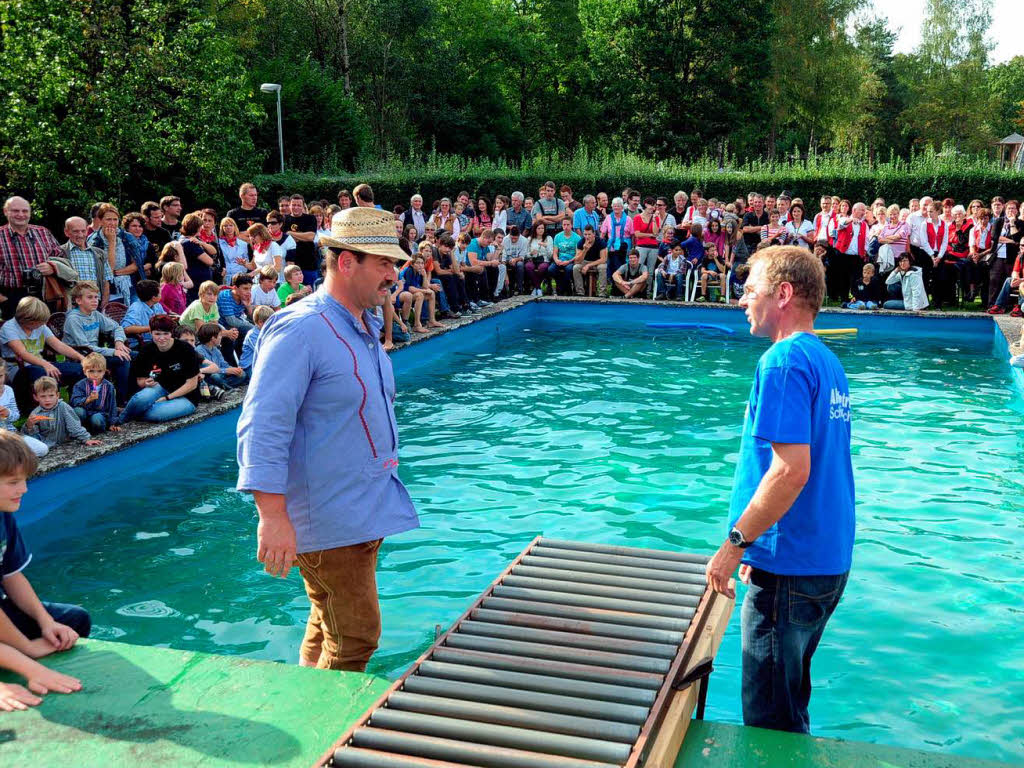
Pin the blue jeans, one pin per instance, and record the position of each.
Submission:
(144, 406)
(96, 423)
(862, 305)
(783, 618)
(63, 613)
(894, 304)
(225, 381)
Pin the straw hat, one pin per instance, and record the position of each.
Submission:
(365, 230)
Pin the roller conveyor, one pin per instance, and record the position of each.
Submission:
(568, 660)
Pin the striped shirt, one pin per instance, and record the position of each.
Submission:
(20, 252)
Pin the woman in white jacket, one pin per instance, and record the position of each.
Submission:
(915, 297)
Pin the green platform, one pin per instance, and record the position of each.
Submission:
(732, 746)
(153, 706)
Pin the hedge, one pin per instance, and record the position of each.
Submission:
(959, 177)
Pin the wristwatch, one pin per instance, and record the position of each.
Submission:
(737, 539)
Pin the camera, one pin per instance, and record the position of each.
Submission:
(32, 279)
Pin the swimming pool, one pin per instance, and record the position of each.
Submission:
(577, 421)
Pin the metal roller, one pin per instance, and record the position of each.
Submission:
(594, 601)
(570, 725)
(352, 757)
(621, 694)
(597, 590)
(568, 670)
(513, 697)
(563, 611)
(557, 653)
(500, 736)
(586, 577)
(568, 640)
(682, 577)
(589, 629)
(623, 560)
(463, 752)
(610, 549)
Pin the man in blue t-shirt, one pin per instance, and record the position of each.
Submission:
(791, 517)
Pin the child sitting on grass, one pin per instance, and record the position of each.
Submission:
(53, 422)
(29, 629)
(260, 315)
(9, 414)
(292, 284)
(225, 376)
(94, 399)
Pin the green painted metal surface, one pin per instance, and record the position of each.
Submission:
(715, 745)
(152, 706)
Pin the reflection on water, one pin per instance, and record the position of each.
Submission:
(614, 437)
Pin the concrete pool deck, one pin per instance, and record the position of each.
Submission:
(154, 706)
(74, 454)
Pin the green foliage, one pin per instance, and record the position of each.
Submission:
(104, 101)
(847, 174)
(324, 126)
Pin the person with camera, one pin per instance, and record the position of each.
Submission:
(28, 255)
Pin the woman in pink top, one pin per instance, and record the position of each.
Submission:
(895, 234)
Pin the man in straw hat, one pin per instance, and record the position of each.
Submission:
(318, 442)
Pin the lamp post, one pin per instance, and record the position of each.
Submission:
(276, 88)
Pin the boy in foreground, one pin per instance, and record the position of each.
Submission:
(29, 629)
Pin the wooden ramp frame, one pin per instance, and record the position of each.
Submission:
(572, 658)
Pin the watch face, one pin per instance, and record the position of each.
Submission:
(736, 538)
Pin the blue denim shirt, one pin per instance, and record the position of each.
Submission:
(318, 425)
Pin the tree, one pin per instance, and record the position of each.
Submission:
(1006, 87)
(121, 99)
(949, 99)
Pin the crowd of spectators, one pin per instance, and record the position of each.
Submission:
(144, 315)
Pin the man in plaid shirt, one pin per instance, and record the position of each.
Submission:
(23, 246)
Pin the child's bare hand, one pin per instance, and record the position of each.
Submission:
(16, 697)
(38, 648)
(46, 680)
(60, 636)
(93, 442)
(115, 429)
(92, 397)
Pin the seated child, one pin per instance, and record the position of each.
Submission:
(9, 414)
(292, 284)
(867, 292)
(136, 319)
(85, 323)
(669, 277)
(167, 373)
(713, 267)
(29, 629)
(93, 398)
(53, 422)
(260, 315)
(204, 309)
(204, 392)
(226, 376)
(173, 284)
(693, 246)
(265, 293)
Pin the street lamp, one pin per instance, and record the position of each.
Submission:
(276, 88)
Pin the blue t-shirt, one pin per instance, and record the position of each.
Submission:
(482, 252)
(565, 245)
(227, 306)
(14, 555)
(800, 395)
(694, 250)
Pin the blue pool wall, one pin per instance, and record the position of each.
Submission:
(51, 491)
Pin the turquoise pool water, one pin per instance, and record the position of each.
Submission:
(623, 436)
